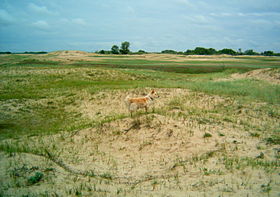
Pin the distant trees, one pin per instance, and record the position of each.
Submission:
(26, 52)
(203, 51)
(125, 47)
(141, 52)
(268, 53)
(104, 52)
(250, 52)
(227, 52)
(209, 51)
(169, 51)
(35, 52)
(115, 49)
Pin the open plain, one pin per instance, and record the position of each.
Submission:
(65, 130)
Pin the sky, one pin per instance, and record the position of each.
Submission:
(150, 25)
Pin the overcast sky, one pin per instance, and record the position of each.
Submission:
(150, 25)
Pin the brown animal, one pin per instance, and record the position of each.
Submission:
(140, 102)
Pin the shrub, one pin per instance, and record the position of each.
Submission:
(35, 179)
(207, 135)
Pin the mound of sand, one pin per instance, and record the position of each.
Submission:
(69, 53)
(188, 143)
(268, 74)
(150, 144)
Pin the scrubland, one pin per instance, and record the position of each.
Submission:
(65, 130)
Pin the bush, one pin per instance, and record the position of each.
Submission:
(35, 179)
(207, 135)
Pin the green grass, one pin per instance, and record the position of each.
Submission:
(37, 62)
(245, 88)
(40, 98)
(33, 80)
(35, 178)
(243, 162)
(206, 135)
(35, 120)
(113, 56)
(191, 66)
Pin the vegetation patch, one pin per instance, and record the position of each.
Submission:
(65, 130)
(37, 177)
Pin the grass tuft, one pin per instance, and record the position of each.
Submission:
(35, 178)
(206, 135)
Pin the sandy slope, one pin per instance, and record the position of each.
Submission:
(164, 152)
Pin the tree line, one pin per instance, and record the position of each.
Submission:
(211, 51)
(26, 52)
(124, 49)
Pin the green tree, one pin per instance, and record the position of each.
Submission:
(141, 52)
(227, 51)
(168, 51)
(211, 51)
(200, 51)
(102, 51)
(125, 48)
(240, 51)
(115, 49)
(268, 53)
(250, 52)
(189, 52)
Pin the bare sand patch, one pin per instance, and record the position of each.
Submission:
(189, 143)
(267, 74)
(69, 53)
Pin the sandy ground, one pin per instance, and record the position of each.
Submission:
(266, 74)
(269, 75)
(188, 144)
(70, 56)
(162, 153)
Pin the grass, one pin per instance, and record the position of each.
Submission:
(191, 65)
(37, 62)
(35, 178)
(21, 84)
(169, 67)
(274, 139)
(255, 90)
(232, 163)
(41, 114)
(206, 135)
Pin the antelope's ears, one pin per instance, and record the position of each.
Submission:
(153, 91)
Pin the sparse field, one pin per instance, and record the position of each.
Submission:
(65, 131)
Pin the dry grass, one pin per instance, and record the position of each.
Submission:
(189, 143)
(267, 74)
(163, 152)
